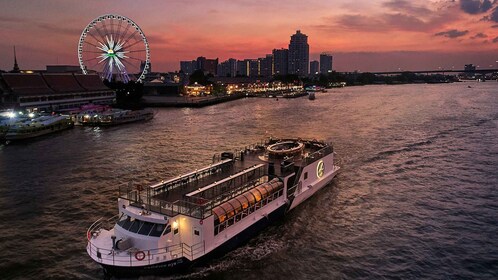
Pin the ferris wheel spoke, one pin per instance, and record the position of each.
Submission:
(112, 26)
(132, 35)
(131, 65)
(92, 52)
(111, 46)
(100, 34)
(105, 27)
(134, 51)
(118, 32)
(138, 41)
(90, 59)
(123, 34)
(138, 59)
(86, 42)
(91, 35)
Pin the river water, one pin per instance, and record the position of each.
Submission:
(417, 196)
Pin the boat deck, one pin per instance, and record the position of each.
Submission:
(228, 176)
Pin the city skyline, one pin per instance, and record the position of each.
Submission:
(364, 36)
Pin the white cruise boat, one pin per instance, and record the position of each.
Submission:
(113, 117)
(176, 223)
(30, 128)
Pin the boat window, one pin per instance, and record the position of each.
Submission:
(196, 232)
(220, 213)
(250, 197)
(243, 201)
(228, 209)
(157, 229)
(305, 175)
(175, 231)
(168, 230)
(256, 194)
(145, 229)
(263, 191)
(135, 225)
(237, 206)
(126, 222)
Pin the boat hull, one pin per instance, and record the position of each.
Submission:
(182, 265)
(22, 136)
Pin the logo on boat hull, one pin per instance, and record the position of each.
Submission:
(320, 169)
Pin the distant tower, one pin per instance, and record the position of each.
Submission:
(325, 63)
(299, 54)
(314, 66)
(16, 67)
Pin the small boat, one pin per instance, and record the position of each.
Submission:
(113, 117)
(176, 223)
(311, 96)
(38, 126)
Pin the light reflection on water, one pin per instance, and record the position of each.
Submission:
(417, 196)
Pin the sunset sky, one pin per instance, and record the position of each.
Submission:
(365, 35)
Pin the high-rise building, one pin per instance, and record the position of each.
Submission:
(207, 65)
(280, 61)
(314, 67)
(188, 67)
(243, 67)
(253, 67)
(227, 68)
(266, 66)
(325, 63)
(299, 54)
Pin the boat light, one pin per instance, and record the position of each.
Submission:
(175, 225)
(31, 115)
(11, 114)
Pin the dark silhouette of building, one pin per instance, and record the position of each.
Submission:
(280, 61)
(325, 63)
(188, 67)
(227, 68)
(266, 66)
(207, 65)
(63, 69)
(16, 66)
(314, 66)
(299, 54)
(243, 67)
(49, 91)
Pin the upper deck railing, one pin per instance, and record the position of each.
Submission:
(196, 204)
(199, 203)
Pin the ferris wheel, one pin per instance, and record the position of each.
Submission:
(115, 47)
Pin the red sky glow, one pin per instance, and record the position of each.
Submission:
(365, 35)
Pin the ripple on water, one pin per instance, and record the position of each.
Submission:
(416, 197)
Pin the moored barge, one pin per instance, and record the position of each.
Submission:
(171, 225)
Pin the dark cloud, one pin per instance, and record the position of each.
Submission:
(406, 7)
(452, 33)
(359, 22)
(475, 6)
(66, 30)
(402, 15)
(391, 21)
(479, 35)
(495, 40)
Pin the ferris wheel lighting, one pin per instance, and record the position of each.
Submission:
(113, 45)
